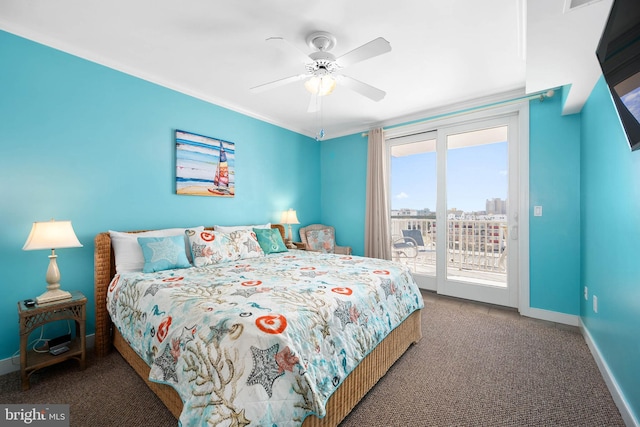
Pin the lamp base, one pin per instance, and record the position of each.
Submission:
(53, 295)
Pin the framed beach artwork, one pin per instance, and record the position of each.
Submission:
(205, 166)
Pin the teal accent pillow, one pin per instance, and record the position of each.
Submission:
(270, 240)
(163, 253)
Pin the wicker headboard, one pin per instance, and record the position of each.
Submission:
(104, 271)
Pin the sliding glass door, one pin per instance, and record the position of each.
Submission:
(454, 208)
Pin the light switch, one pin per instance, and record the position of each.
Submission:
(537, 211)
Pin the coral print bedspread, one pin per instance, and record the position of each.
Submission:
(263, 342)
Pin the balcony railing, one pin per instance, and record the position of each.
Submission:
(472, 245)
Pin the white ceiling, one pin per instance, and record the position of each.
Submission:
(444, 52)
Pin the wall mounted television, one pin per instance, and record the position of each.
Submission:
(619, 55)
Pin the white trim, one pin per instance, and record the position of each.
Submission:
(551, 316)
(465, 107)
(523, 227)
(609, 379)
(454, 117)
(7, 365)
(484, 119)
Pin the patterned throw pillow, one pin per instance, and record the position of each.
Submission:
(163, 253)
(210, 247)
(246, 244)
(270, 240)
(321, 240)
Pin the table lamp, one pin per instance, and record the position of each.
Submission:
(52, 235)
(289, 217)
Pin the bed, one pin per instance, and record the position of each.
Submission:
(267, 365)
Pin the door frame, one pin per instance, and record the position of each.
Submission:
(469, 289)
(520, 298)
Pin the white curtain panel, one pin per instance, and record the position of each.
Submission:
(377, 242)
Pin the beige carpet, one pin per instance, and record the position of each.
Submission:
(475, 366)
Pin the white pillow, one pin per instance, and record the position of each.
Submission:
(127, 250)
(229, 229)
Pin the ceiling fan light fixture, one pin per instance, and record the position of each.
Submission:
(320, 85)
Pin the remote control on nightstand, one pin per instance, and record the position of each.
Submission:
(58, 350)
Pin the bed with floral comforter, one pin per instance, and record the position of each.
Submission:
(263, 341)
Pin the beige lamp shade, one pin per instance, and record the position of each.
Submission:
(52, 235)
(289, 217)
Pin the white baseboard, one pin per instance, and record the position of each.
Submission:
(551, 316)
(11, 364)
(610, 381)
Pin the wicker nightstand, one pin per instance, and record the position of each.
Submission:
(34, 317)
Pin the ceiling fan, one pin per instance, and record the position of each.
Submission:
(322, 68)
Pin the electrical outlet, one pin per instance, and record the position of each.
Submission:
(595, 304)
(586, 293)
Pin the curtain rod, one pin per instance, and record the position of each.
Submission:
(540, 96)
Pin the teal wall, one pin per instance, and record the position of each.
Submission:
(610, 215)
(554, 184)
(554, 145)
(82, 142)
(343, 191)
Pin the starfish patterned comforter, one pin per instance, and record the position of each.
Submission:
(263, 342)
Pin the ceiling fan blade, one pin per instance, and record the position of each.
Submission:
(277, 83)
(290, 49)
(363, 89)
(368, 50)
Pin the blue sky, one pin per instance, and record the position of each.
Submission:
(474, 174)
(632, 101)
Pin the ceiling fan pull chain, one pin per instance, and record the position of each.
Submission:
(319, 117)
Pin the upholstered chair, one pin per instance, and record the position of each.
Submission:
(322, 238)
